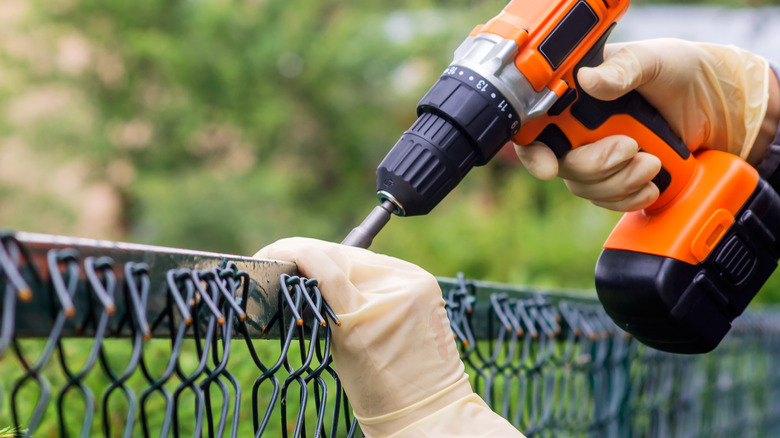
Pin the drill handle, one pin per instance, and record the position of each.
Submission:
(577, 119)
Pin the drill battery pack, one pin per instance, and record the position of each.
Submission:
(681, 294)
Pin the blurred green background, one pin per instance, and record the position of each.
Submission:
(225, 125)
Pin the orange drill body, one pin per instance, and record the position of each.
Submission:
(530, 23)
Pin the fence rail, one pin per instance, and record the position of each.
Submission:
(115, 339)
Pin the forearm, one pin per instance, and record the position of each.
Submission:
(769, 127)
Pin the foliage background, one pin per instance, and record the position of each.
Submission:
(225, 125)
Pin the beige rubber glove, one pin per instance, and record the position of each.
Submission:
(713, 97)
(394, 350)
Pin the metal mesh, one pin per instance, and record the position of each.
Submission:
(557, 366)
(102, 338)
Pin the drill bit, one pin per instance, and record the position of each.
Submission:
(362, 235)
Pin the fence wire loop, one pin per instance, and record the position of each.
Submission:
(69, 259)
(10, 252)
(137, 287)
(204, 296)
(101, 283)
(64, 292)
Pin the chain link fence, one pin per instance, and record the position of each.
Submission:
(110, 339)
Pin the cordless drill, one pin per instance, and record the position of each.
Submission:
(675, 274)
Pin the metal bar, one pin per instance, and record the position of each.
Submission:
(35, 314)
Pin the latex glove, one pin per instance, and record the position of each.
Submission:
(394, 351)
(713, 97)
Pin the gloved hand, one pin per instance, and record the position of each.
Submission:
(394, 351)
(713, 97)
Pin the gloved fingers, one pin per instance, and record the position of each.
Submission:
(621, 72)
(314, 261)
(612, 48)
(538, 159)
(634, 201)
(598, 160)
(626, 189)
(344, 273)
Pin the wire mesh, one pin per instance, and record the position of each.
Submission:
(556, 365)
(110, 339)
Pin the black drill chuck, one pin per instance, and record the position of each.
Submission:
(462, 122)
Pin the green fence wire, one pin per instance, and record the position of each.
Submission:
(111, 339)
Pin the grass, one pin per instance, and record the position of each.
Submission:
(11, 432)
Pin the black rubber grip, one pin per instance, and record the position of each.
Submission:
(592, 113)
